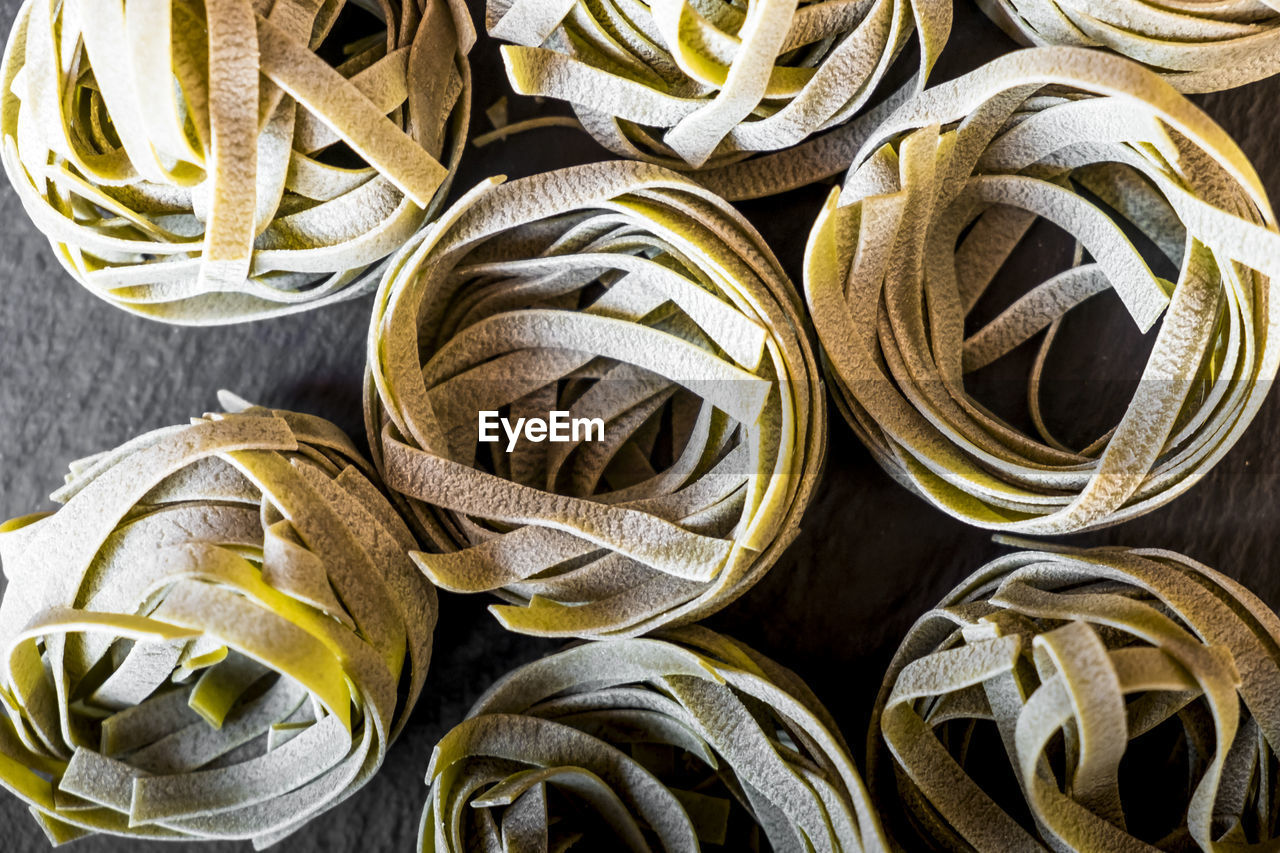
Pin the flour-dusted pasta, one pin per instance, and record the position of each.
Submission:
(1086, 701)
(931, 210)
(670, 743)
(215, 637)
(618, 293)
(203, 163)
(705, 84)
(1198, 45)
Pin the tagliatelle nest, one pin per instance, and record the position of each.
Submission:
(205, 163)
(686, 742)
(931, 210)
(620, 292)
(1198, 45)
(215, 637)
(688, 85)
(1086, 700)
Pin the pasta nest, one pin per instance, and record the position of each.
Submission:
(205, 163)
(215, 637)
(671, 743)
(701, 84)
(1091, 701)
(942, 195)
(1197, 45)
(617, 292)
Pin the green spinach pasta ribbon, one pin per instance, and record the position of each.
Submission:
(205, 163)
(1197, 45)
(931, 210)
(617, 293)
(693, 84)
(215, 637)
(687, 741)
(1086, 700)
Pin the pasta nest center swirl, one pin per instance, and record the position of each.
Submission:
(1088, 700)
(618, 293)
(209, 163)
(1197, 45)
(693, 85)
(684, 741)
(217, 636)
(934, 206)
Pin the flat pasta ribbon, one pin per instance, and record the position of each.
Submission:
(1197, 45)
(215, 637)
(203, 163)
(933, 207)
(683, 742)
(690, 85)
(1085, 700)
(622, 295)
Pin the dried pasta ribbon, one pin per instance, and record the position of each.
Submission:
(1197, 46)
(619, 293)
(203, 164)
(215, 637)
(671, 743)
(690, 85)
(1011, 708)
(931, 210)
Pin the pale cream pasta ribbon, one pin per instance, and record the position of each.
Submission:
(203, 164)
(666, 743)
(694, 85)
(619, 292)
(216, 636)
(1197, 45)
(1085, 700)
(931, 210)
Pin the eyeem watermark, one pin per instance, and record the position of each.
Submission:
(558, 427)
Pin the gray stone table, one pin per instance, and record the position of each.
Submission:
(80, 376)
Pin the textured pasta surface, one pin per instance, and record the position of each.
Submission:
(1092, 701)
(1197, 45)
(208, 163)
(215, 637)
(933, 207)
(704, 84)
(683, 742)
(618, 292)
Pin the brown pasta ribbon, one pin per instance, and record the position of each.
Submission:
(615, 292)
(203, 163)
(1197, 46)
(683, 742)
(933, 206)
(1085, 700)
(215, 637)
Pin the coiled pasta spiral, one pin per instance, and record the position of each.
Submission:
(215, 637)
(204, 163)
(931, 210)
(1090, 701)
(620, 293)
(685, 742)
(693, 85)
(1197, 45)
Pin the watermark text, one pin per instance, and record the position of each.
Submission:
(558, 426)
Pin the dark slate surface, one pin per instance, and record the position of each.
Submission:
(80, 376)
